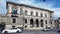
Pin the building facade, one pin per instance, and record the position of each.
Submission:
(2, 18)
(28, 17)
(57, 23)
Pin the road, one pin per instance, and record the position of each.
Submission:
(37, 32)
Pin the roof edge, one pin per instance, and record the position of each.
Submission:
(9, 2)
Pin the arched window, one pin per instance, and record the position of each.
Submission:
(41, 23)
(31, 23)
(37, 23)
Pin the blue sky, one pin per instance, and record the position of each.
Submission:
(53, 5)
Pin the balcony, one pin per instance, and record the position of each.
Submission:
(14, 15)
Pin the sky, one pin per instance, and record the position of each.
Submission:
(53, 5)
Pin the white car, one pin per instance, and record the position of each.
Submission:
(47, 29)
(12, 30)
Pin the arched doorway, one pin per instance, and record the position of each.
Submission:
(37, 23)
(31, 23)
(41, 23)
(2, 26)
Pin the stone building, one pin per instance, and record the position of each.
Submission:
(2, 18)
(2, 21)
(28, 17)
(57, 23)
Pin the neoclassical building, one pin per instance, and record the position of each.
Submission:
(28, 17)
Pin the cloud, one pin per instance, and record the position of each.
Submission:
(56, 12)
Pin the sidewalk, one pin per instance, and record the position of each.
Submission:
(25, 30)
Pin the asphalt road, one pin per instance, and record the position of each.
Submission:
(37, 32)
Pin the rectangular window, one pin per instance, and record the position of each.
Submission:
(14, 20)
(36, 13)
(50, 15)
(25, 20)
(25, 12)
(45, 15)
(41, 15)
(51, 22)
(31, 12)
(46, 21)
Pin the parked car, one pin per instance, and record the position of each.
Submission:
(47, 29)
(20, 28)
(12, 30)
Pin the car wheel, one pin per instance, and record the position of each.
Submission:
(5, 32)
(17, 31)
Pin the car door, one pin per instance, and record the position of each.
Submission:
(12, 30)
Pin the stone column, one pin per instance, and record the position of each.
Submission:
(44, 25)
(39, 24)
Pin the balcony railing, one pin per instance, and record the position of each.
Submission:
(14, 15)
